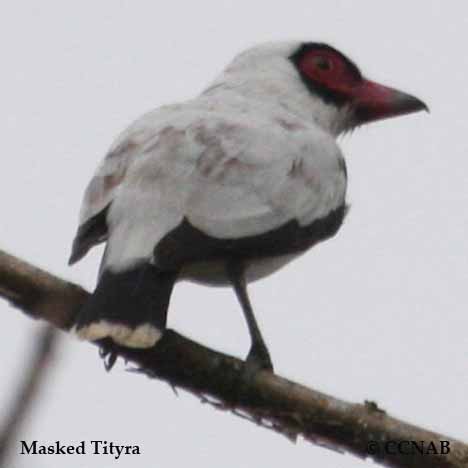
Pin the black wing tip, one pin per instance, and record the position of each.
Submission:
(73, 259)
(90, 233)
(78, 251)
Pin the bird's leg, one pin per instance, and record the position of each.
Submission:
(258, 357)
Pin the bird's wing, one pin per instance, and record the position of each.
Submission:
(101, 190)
(228, 179)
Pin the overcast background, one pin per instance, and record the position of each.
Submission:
(379, 312)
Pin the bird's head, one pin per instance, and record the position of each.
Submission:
(338, 82)
(319, 82)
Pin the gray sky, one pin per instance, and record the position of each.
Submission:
(379, 311)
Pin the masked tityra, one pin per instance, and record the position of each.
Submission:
(226, 188)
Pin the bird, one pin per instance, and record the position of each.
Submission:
(226, 188)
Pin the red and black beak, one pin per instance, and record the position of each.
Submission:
(373, 101)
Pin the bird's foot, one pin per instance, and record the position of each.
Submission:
(107, 353)
(258, 359)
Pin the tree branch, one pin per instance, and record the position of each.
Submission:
(33, 378)
(267, 399)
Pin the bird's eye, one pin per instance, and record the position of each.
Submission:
(322, 63)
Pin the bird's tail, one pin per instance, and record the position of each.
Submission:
(130, 307)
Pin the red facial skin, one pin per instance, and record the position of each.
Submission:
(341, 81)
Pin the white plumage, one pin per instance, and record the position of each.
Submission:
(230, 161)
(225, 188)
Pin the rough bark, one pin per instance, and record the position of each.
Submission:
(266, 399)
